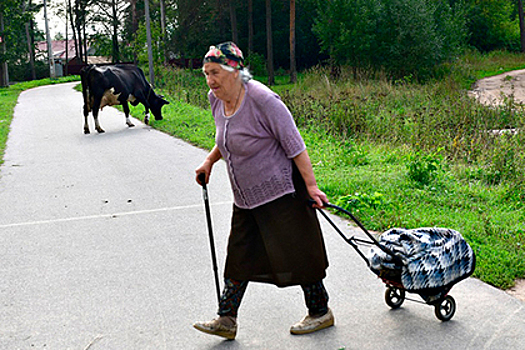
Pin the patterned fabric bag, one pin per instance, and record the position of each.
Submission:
(431, 258)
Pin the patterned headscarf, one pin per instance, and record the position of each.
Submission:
(225, 53)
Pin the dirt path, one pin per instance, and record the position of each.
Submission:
(494, 91)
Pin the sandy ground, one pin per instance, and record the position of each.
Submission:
(518, 290)
(494, 91)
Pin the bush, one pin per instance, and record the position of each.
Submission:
(256, 63)
(184, 85)
(494, 25)
(22, 72)
(398, 36)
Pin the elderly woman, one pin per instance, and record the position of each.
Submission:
(275, 235)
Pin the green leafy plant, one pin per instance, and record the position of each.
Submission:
(424, 168)
(358, 201)
(256, 64)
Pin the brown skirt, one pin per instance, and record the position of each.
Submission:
(279, 242)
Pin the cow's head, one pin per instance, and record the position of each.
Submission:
(156, 102)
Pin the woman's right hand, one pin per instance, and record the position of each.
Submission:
(205, 167)
(203, 170)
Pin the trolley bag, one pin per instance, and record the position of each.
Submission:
(425, 261)
(432, 258)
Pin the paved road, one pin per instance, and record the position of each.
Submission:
(104, 245)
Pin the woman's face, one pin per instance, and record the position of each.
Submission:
(221, 82)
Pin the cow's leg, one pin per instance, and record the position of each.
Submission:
(125, 107)
(96, 107)
(146, 116)
(86, 125)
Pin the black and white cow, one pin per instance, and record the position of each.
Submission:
(117, 84)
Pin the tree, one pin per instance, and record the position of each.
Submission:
(50, 54)
(14, 14)
(4, 75)
(194, 27)
(348, 31)
(269, 43)
(293, 70)
(233, 21)
(163, 28)
(80, 12)
(110, 15)
(69, 14)
(522, 25)
(30, 41)
(375, 34)
(250, 26)
(493, 25)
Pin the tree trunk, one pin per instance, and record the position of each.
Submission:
(150, 48)
(250, 27)
(293, 69)
(72, 22)
(78, 28)
(114, 20)
(269, 43)
(52, 73)
(163, 30)
(31, 51)
(221, 19)
(66, 64)
(134, 28)
(522, 25)
(30, 43)
(233, 21)
(4, 75)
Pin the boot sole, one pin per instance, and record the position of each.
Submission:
(223, 334)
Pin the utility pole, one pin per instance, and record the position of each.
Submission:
(52, 74)
(150, 50)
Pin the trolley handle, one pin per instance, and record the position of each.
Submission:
(388, 251)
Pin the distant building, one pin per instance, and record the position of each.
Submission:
(63, 48)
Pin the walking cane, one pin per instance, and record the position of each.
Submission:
(202, 180)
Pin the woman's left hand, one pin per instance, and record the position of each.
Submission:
(318, 196)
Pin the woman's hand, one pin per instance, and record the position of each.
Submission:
(207, 165)
(318, 196)
(204, 168)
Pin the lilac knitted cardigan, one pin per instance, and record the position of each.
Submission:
(257, 143)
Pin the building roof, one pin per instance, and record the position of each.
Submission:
(59, 48)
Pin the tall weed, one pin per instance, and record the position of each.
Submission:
(427, 118)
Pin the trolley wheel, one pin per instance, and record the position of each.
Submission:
(394, 297)
(446, 308)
